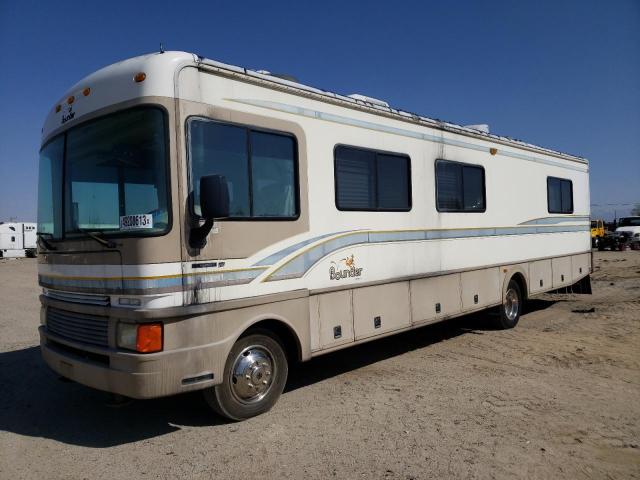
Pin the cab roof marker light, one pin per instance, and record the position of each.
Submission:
(58, 108)
(86, 92)
(71, 99)
(139, 77)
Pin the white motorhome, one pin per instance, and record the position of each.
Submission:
(631, 226)
(17, 239)
(202, 225)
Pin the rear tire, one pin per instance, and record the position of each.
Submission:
(255, 375)
(511, 307)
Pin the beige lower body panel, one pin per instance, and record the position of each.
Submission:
(196, 347)
(434, 299)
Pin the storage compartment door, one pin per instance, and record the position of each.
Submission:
(480, 288)
(540, 276)
(435, 298)
(561, 268)
(381, 309)
(335, 318)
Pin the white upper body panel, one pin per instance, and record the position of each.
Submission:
(115, 83)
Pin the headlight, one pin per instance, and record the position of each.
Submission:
(143, 338)
(127, 334)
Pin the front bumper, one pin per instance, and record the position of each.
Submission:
(130, 374)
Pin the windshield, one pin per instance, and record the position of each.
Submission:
(114, 177)
(629, 222)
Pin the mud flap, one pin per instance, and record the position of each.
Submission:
(582, 286)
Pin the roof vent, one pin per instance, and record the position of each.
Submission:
(286, 76)
(283, 76)
(481, 127)
(371, 100)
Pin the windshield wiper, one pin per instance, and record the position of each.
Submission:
(97, 238)
(44, 241)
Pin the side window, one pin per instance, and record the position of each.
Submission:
(367, 180)
(559, 195)
(272, 175)
(260, 168)
(460, 187)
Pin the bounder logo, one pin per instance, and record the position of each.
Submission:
(69, 115)
(344, 268)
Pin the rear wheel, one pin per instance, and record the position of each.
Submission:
(255, 374)
(511, 307)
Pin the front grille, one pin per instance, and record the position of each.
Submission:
(78, 327)
(102, 300)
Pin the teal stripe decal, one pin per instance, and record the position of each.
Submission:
(145, 286)
(279, 255)
(555, 220)
(301, 264)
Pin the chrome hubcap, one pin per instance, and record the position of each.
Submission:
(511, 304)
(252, 374)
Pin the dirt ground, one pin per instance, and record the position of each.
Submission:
(556, 397)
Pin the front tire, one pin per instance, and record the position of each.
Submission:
(255, 375)
(511, 307)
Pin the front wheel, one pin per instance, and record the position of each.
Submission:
(255, 374)
(511, 307)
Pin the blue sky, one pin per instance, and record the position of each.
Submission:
(561, 74)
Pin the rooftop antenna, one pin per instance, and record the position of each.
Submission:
(161, 48)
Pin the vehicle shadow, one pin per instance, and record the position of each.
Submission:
(343, 361)
(34, 402)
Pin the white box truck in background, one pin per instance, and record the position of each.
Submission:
(17, 240)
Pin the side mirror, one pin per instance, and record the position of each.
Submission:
(214, 197)
(214, 204)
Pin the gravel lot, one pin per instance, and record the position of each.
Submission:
(557, 397)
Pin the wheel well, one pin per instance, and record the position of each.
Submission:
(284, 333)
(522, 283)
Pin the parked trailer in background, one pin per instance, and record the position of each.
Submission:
(203, 225)
(17, 240)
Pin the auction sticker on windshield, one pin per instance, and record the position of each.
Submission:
(131, 222)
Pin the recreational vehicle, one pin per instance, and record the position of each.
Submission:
(202, 225)
(17, 239)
